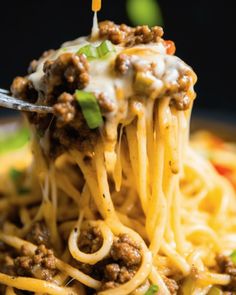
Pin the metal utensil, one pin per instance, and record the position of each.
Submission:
(10, 102)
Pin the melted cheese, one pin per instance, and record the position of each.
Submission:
(95, 28)
(119, 88)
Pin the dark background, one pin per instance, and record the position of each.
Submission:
(204, 32)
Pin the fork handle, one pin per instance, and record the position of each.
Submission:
(17, 104)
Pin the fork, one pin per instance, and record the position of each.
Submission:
(10, 102)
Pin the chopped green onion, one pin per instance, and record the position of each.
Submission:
(233, 256)
(102, 50)
(15, 175)
(90, 108)
(14, 141)
(105, 48)
(215, 291)
(89, 51)
(152, 290)
(144, 12)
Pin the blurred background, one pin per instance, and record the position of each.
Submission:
(203, 31)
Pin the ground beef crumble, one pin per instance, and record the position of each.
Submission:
(90, 240)
(40, 265)
(23, 88)
(65, 109)
(127, 36)
(62, 77)
(125, 249)
(76, 135)
(171, 285)
(67, 73)
(123, 63)
(178, 92)
(39, 234)
(121, 264)
(105, 103)
(125, 259)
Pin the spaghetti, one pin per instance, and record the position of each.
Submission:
(127, 206)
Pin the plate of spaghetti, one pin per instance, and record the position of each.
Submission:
(108, 195)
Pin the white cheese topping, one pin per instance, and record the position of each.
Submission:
(102, 78)
(166, 69)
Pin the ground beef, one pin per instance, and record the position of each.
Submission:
(67, 73)
(126, 250)
(23, 88)
(65, 109)
(171, 285)
(81, 138)
(178, 93)
(127, 36)
(40, 265)
(113, 272)
(39, 234)
(123, 63)
(90, 240)
(180, 101)
(144, 35)
(105, 103)
(118, 267)
(226, 266)
(69, 128)
(124, 261)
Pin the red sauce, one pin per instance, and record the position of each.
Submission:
(226, 172)
(170, 47)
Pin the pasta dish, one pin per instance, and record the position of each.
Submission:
(114, 199)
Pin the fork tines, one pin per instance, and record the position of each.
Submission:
(4, 91)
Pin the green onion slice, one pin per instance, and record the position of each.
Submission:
(102, 50)
(144, 12)
(152, 290)
(90, 108)
(89, 51)
(105, 48)
(233, 256)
